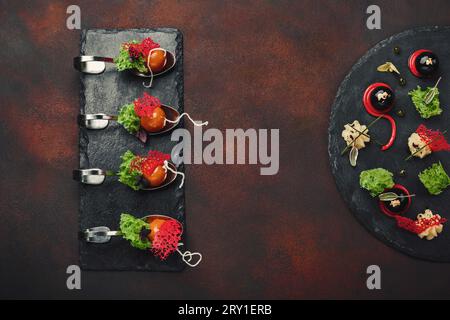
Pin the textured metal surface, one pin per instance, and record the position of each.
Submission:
(348, 107)
(260, 64)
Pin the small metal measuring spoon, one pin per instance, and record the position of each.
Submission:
(98, 121)
(97, 65)
(95, 176)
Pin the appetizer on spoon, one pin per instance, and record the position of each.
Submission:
(150, 172)
(159, 234)
(144, 59)
(145, 116)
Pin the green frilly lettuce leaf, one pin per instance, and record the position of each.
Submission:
(126, 175)
(425, 110)
(123, 61)
(128, 118)
(131, 227)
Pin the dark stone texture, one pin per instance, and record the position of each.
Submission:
(252, 64)
(102, 205)
(348, 107)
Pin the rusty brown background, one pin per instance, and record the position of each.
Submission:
(258, 64)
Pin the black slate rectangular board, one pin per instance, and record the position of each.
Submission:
(102, 205)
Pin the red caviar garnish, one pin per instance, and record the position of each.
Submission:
(145, 105)
(136, 163)
(166, 239)
(147, 45)
(420, 225)
(153, 160)
(435, 138)
(424, 223)
(135, 50)
(147, 165)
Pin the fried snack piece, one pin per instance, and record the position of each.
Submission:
(350, 134)
(431, 223)
(415, 143)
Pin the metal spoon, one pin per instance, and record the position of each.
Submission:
(98, 121)
(97, 176)
(97, 65)
(99, 234)
(103, 234)
(95, 121)
(92, 176)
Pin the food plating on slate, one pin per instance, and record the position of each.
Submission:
(145, 116)
(144, 59)
(378, 99)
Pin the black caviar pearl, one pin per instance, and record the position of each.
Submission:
(382, 98)
(427, 63)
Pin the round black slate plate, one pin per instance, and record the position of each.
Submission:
(348, 107)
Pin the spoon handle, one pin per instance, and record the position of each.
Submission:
(105, 59)
(92, 231)
(99, 234)
(95, 121)
(91, 64)
(93, 58)
(97, 116)
(92, 176)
